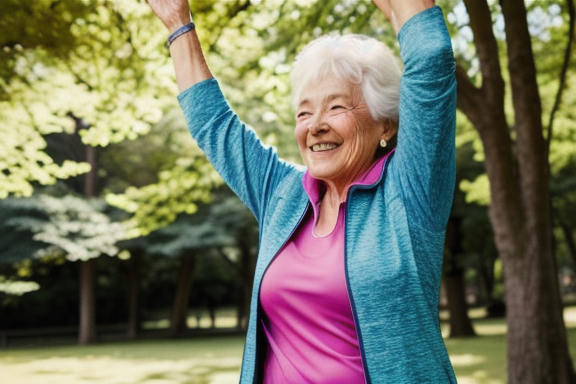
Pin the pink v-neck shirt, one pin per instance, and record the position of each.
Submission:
(309, 324)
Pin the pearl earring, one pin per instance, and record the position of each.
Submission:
(383, 143)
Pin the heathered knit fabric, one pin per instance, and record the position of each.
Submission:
(394, 228)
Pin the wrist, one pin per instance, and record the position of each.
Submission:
(179, 22)
(179, 32)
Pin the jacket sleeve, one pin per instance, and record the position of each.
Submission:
(251, 169)
(425, 156)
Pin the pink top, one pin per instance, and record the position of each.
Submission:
(309, 324)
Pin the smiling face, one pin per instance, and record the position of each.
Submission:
(337, 137)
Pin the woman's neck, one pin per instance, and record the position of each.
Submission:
(329, 210)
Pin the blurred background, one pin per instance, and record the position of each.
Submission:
(125, 259)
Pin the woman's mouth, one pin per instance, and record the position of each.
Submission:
(321, 147)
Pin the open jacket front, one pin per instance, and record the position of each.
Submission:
(394, 229)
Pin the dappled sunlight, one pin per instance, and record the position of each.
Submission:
(210, 360)
(570, 317)
(479, 377)
(224, 319)
(466, 359)
(224, 378)
(490, 329)
(470, 369)
(110, 370)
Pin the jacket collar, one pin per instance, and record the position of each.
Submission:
(315, 188)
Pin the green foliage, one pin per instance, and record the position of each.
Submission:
(477, 191)
(548, 24)
(17, 244)
(18, 288)
(23, 121)
(213, 226)
(179, 190)
(27, 26)
(158, 176)
(72, 227)
(94, 60)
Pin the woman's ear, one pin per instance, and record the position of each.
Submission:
(387, 139)
(390, 129)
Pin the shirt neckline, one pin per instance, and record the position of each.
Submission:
(315, 188)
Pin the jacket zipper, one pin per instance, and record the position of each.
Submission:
(348, 288)
(351, 298)
(260, 286)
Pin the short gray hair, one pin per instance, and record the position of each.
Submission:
(358, 59)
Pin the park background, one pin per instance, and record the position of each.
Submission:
(124, 258)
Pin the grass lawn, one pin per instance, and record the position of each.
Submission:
(216, 360)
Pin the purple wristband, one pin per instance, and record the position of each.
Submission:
(179, 32)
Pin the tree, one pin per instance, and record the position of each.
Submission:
(517, 167)
(92, 61)
(11, 287)
(91, 65)
(216, 226)
(24, 84)
(234, 218)
(453, 276)
(75, 229)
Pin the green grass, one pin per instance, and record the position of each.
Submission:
(179, 361)
(216, 360)
(479, 360)
(482, 359)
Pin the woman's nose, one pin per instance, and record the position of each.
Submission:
(317, 124)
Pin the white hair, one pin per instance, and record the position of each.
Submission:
(357, 59)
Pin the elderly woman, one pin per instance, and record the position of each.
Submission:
(347, 279)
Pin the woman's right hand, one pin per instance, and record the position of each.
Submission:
(173, 13)
(400, 11)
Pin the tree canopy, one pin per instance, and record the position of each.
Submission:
(92, 60)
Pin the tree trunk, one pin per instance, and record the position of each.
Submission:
(178, 321)
(569, 243)
(87, 334)
(133, 295)
(486, 279)
(519, 210)
(537, 342)
(245, 279)
(460, 324)
(3, 338)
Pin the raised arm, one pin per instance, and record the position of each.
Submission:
(424, 161)
(399, 12)
(186, 52)
(252, 170)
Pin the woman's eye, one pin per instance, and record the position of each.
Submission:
(337, 107)
(302, 114)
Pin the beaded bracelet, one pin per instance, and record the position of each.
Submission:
(179, 32)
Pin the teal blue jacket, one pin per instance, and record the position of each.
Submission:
(394, 231)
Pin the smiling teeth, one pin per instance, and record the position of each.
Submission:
(323, 147)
